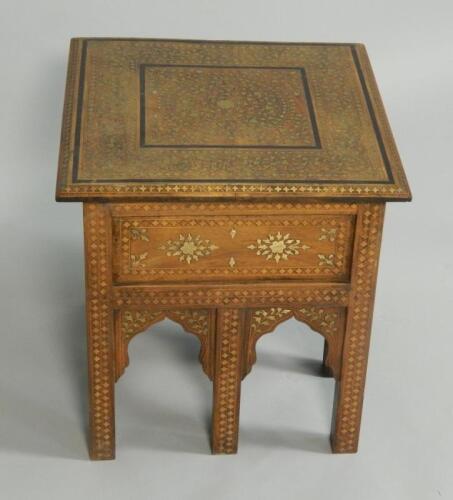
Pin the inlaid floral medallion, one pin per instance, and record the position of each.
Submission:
(176, 246)
(277, 247)
(188, 248)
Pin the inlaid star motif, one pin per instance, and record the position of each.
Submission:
(139, 233)
(328, 234)
(188, 248)
(326, 260)
(278, 247)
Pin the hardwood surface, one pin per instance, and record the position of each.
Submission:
(162, 118)
(191, 245)
(229, 317)
(290, 150)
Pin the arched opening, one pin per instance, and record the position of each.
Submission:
(287, 401)
(164, 400)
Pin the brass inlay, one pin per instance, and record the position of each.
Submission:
(139, 234)
(277, 247)
(288, 120)
(225, 104)
(328, 234)
(138, 260)
(263, 318)
(188, 248)
(326, 260)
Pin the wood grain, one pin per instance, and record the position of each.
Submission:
(227, 380)
(100, 336)
(313, 246)
(227, 186)
(281, 121)
(350, 388)
(229, 318)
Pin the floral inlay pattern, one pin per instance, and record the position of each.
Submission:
(139, 233)
(188, 248)
(328, 234)
(265, 318)
(136, 321)
(278, 247)
(327, 319)
(137, 261)
(326, 260)
(221, 245)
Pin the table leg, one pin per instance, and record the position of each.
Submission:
(100, 335)
(325, 369)
(350, 387)
(227, 380)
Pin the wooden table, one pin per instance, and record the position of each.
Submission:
(227, 186)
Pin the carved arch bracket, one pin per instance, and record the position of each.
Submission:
(328, 321)
(129, 323)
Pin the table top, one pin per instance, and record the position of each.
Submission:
(149, 119)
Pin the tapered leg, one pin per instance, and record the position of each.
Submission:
(99, 330)
(350, 387)
(227, 380)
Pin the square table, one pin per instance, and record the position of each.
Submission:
(227, 186)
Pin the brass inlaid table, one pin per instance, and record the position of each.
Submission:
(227, 186)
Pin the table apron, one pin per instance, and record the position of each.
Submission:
(238, 295)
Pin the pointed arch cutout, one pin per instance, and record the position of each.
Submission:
(327, 321)
(129, 323)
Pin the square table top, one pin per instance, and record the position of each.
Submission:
(149, 119)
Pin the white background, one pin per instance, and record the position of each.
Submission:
(163, 401)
